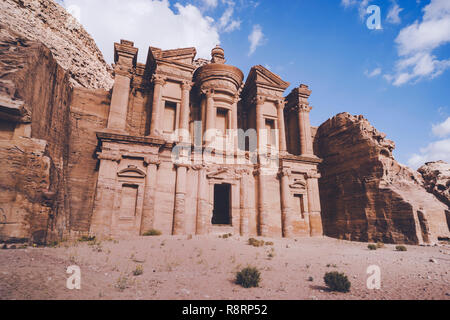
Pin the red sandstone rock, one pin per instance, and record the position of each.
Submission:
(72, 47)
(365, 194)
(34, 115)
(437, 179)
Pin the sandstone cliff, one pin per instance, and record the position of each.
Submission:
(35, 94)
(437, 179)
(72, 47)
(365, 194)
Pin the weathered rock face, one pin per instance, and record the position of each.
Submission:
(437, 179)
(72, 47)
(365, 194)
(35, 94)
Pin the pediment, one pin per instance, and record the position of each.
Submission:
(131, 172)
(263, 76)
(184, 55)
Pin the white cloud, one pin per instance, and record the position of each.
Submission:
(393, 15)
(442, 129)
(437, 150)
(361, 4)
(147, 23)
(226, 21)
(416, 43)
(256, 38)
(210, 4)
(374, 73)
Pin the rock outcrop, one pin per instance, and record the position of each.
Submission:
(368, 196)
(35, 94)
(437, 179)
(72, 47)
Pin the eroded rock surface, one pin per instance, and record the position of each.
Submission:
(368, 196)
(35, 94)
(72, 47)
(437, 179)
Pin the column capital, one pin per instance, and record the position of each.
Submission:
(109, 156)
(159, 79)
(304, 108)
(153, 159)
(186, 85)
(207, 91)
(281, 103)
(284, 172)
(313, 175)
(259, 100)
(123, 70)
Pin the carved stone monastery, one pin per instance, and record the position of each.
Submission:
(141, 187)
(185, 146)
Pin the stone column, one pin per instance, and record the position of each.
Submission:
(262, 205)
(281, 126)
(202, 202)
(179, 214)
(286, 209)
(125, 59)
(157, 108)
(148, 211)
(185, 111)
(260, 124)
(235, 122)
(210, 114)
(315, 220)
(105, 195)
(119, 100)
(244, 204)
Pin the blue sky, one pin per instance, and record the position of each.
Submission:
(398, 77)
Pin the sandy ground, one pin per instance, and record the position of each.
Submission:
(203, 268)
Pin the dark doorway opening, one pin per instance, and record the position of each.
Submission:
(222, 199)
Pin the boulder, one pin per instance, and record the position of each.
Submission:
(366, 195)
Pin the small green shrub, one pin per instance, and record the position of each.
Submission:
(152, 233)
(139, 270)
(248, 277)
(337, 281)
(380, 245)
(256, 243)
(86, 239)
(310, 279)
(401, 248)
(372, 247)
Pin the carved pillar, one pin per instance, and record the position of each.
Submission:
(306, 144)
(315, 220)
(125, 60)
(157, 108)
(148, 211)
(235, 122)
(262, 205)
(244, 204)
(185, 111)
(179, 214)
(286, 209)
(281, 126)
(202, 202)
(260, 124)
(210, 115)
(105, 195)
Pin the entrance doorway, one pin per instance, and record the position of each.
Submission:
(222, 200)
